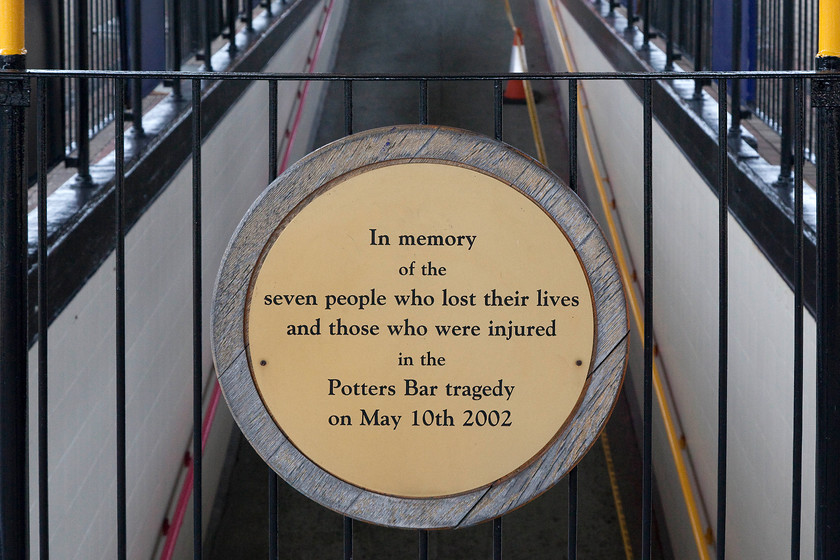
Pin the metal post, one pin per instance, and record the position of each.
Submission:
(249, 16)
(826, 98)
(14, 500)
(175, 25)
(669, 44)
(786, 156)
(232, 9)
(208, 36)
(82, 90)
(735, 129)
(698, 48)
(137, 65)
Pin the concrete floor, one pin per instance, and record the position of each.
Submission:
(434, 37)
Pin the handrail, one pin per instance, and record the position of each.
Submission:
(344, 77)
(674, 441)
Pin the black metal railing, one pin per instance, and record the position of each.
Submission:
(685, 26)
(13, 293)
(108, 35)
(781, 36)
(786, 37)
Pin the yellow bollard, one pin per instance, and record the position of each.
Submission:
(829, 28)
(11, 27)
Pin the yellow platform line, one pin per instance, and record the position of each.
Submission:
(619, 507)
(675, 442)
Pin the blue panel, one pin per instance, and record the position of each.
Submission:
(153, 33)
(749, 48)
(722, 40)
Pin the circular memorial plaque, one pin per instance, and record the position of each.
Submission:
(419, 327)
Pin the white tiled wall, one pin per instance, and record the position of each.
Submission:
(686, 328)
(82, 432)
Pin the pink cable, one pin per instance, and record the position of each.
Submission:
(186, 489)
(293, 134)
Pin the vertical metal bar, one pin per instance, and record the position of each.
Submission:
(498, 99)
(735, 129)
(774, 104)
(273, 517)
(573, 515)
(800, 32)
(231, 17)
(98, 97)
(811, 35)
(193, 14)
(786, 156)
(646, 25)
(43, 330)
(272, 130)
(119, 217)
(348, 538)
(208, 36)
(812, 132)
(798, 337)
(68, 61)
(828, 303)
(669, 43)
(14, 500)
(631, 14)
(424, 102)
(273, 480)
(573, 163)
(497, 538)
(763, 62)
(249, 16)
(136, 65)
(268, 8)
(573, 126)
(348, 107)
(175, 23)
(647, 454)
(423, 548)
(778, 56)
(83, 97)
(122, 15)
(723, 198)
(197, 346)
(698, 46)
(64, 84)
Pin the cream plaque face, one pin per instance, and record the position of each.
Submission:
(420, 329)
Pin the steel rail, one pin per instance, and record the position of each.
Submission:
(335, 77)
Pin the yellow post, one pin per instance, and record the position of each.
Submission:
(829, 28)
(11, 27)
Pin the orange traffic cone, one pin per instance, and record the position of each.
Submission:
(515, 90)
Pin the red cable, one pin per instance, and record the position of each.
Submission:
(186, 489)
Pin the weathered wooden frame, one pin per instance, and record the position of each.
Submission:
(446, 145)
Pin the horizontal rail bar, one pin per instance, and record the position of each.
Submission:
(328, 77)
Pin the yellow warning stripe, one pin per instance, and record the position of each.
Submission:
(829, 28)
(674, 441)
(11, 28)
(619, 507)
